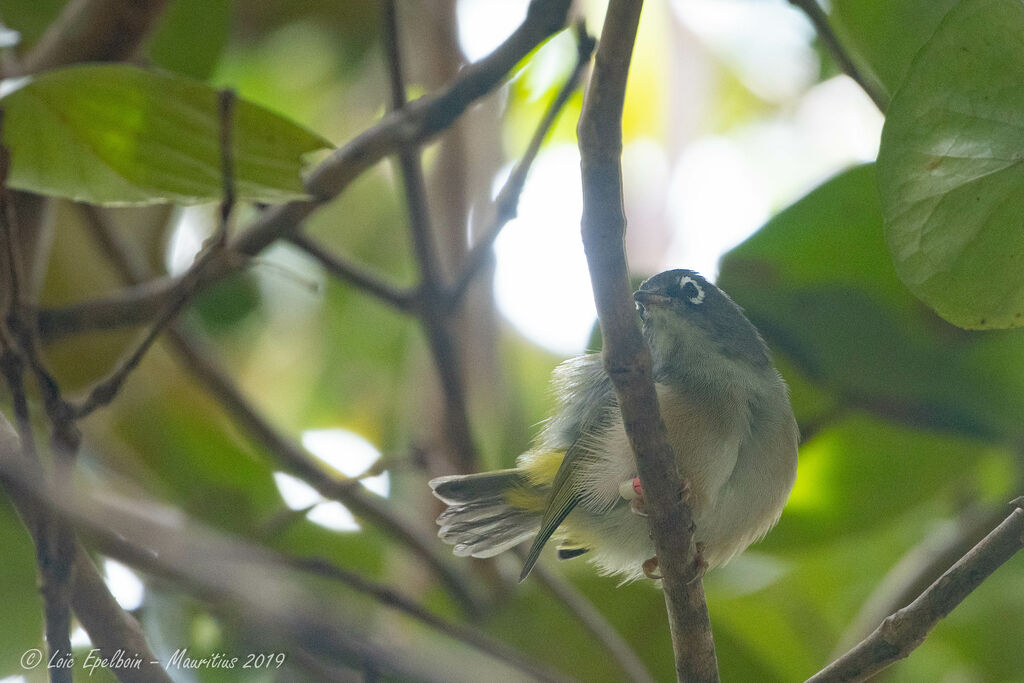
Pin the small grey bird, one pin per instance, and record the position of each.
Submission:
(729, 420)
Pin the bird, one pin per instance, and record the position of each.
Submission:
(729, 420)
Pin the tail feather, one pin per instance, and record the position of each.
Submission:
(480, 521)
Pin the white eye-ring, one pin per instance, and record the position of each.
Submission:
(685, 280)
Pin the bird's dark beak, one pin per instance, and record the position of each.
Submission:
(646, 297)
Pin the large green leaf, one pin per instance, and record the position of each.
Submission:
(951, 168)
(115, 134)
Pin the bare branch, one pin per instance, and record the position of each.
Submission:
(903, 631)
(415, 124)
(433, 311)
(867, 82)
(53, 540)
(226, 107)
(626, 357)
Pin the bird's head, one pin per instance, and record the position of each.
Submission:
(689, 323)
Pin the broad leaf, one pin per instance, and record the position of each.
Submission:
(115, 134)
(950, 171)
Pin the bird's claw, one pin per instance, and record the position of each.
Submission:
(653, 571)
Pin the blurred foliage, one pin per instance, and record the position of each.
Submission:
(907, 419)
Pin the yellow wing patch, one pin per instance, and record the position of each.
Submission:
(540, 467)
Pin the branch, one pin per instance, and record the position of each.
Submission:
(870, 85)
(507, 202)
(903, 631)
(415, 124)
(91, 31)
(626, 358)
(434, 317)
(53, 541)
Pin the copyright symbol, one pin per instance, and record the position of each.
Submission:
(31, 658)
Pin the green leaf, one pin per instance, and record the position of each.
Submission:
(950, 171)
(115, 134)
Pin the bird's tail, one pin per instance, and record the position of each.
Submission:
(488, 512)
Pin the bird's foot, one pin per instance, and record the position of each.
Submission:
(653, 571)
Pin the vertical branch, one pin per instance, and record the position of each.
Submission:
(433, 312)
(54, 540)
(626, 358)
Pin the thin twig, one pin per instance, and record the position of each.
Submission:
(903, 631)
(433, 312)
(226, 108)
(507, 202)
(626, 357)
(582, 609)
(415, 124)
(874, 89)
(403, 300)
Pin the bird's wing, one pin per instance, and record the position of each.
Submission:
(587, 398)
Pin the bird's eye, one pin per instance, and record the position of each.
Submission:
(690, 290)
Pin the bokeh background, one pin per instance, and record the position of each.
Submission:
(748, 157)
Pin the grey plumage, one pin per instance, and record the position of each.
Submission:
(728, 417)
